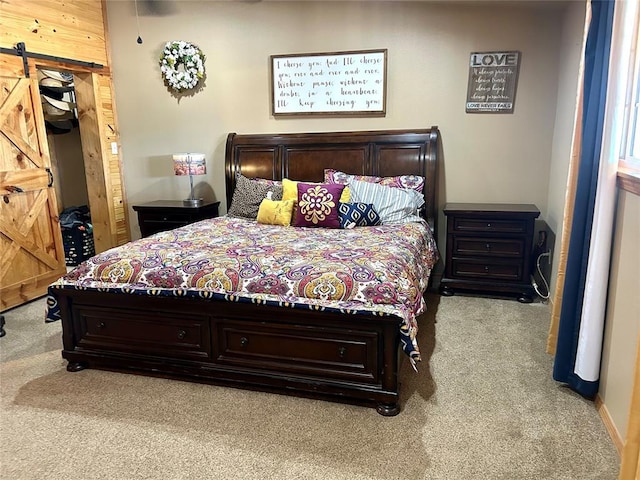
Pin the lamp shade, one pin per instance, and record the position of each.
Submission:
(189, 164)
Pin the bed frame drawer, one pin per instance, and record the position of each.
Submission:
(299, 349)
(151, 333)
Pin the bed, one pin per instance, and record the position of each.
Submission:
(319, 347)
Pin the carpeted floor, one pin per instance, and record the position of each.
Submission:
(482, 406)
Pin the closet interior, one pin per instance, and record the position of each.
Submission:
(60, 110)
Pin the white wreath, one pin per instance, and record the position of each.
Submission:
(182, 65)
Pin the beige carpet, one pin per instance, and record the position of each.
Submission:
(483, 406)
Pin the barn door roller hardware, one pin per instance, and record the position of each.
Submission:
(21, 51)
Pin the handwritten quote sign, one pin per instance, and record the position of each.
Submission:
(344, 83)
(493, 77)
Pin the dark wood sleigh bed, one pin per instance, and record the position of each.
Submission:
(291, 351)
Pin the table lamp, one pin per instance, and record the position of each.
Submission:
(190, 164)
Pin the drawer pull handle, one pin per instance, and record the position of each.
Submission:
(164, 219)
(244, 341)
(486, 269)
(101, 325)
(342, 351)
(182, 334)
(488, 225)
(488, 246)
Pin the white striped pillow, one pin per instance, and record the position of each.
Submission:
(394, 205)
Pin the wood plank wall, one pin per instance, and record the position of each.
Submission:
(120, 225)
(70, 28)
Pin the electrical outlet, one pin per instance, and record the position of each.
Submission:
(542, 252)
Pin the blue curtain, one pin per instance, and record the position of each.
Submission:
(596, 70)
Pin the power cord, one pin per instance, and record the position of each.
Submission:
(544, 280)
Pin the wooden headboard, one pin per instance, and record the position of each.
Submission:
(304, 156)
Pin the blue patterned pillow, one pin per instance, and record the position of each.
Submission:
(357, 215)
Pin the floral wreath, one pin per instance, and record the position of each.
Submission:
(182, 65)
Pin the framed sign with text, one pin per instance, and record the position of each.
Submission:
(339, 83)
(493, 77)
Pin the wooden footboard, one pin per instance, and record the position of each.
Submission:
(283, 350)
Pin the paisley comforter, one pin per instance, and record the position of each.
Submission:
(381, 270)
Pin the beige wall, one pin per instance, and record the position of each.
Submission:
(522, 157)
(622, 321)
(488, 158)
(570, 49)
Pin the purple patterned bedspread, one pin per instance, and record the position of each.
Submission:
(380, 270)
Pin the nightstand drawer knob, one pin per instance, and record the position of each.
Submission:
(486, 269)
(101, 325)
(488, 246)
(244, 341)
(488, 225)
(164, 219)
(342, 351)
(182, 334)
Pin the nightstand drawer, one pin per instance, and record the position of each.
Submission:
(486, 270)
(166, 217)
(150, 227)
(162, 215)
(463, 224)
(510, 248)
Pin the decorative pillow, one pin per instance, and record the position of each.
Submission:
(394, 205)
(414, 182)
(268, 181)
(318, 205)
(248, 194)
(290, 190)
(357, 215)
(276, 212)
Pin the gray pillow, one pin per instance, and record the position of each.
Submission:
(249, 193)
(394, 205)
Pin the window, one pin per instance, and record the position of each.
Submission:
(629, 163)
(633, 150)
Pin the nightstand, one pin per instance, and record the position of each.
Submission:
(161, 215)
(489, 249)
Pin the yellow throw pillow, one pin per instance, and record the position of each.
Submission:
(345, 196)
(276, 212)
(290, 191)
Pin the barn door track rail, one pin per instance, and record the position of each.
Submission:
(21, 51)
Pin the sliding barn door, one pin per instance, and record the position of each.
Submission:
(31, 250)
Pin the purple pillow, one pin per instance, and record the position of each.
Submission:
(414, 182)
(318, 205)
